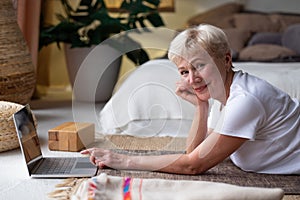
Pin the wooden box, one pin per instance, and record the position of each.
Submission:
(71, 136)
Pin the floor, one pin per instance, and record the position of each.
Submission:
(49, 111)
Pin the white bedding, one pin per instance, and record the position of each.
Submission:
(145, 104)
(285, 76)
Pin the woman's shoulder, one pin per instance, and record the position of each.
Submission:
(263, 91)
(244, 77)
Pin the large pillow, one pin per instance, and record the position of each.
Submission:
(255, 22)
(220, 16)
(291, 38)
(264, 52)
(146, 104)
(265, 38)
(237, 38)
(286, 20)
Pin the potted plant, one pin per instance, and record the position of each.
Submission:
(91, 23)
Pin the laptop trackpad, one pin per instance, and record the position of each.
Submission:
(80, 165)
(84, 165)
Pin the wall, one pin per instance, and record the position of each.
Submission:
(187, 8)
(51, 64)
(52, 71)
(289, 6)
(52, 59)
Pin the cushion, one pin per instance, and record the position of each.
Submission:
(265, 38)
(291, 38)
(220, 16)
(287, 20)
(263, 23)
(8, 136)
(264, 52)
(237, 38)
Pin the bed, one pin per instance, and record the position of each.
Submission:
(145, 103)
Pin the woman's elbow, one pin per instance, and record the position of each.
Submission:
(194, 170)
(193, 167)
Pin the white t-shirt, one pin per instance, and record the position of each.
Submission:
(268, 117)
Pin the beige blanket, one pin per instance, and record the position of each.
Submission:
(106, 187)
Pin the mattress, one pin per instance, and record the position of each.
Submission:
(145, 104)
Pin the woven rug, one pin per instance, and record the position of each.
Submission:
(225, 172)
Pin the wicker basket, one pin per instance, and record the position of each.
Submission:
(17, 75)
(8, 135)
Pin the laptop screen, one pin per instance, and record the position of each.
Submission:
(27, 134)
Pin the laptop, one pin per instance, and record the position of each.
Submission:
(46, 167)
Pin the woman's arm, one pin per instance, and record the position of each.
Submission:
(213, 150)
(208, 154)
(198, 130)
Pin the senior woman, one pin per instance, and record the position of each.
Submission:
(251, 121)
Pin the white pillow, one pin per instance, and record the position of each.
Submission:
(146, 104)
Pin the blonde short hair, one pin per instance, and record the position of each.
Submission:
(212, 39)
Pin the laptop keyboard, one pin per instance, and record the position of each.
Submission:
(56, 166)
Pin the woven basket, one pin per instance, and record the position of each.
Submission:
(8, 136)
(17, 75)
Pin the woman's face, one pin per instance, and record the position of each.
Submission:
(204, 74)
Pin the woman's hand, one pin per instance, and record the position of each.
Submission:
(106, 158)
(185, 91)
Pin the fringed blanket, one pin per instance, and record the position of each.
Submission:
(125, 188)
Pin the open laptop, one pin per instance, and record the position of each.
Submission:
(46, 167)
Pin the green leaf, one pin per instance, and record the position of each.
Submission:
(140, 20)
(155, 19)
(138, 56)
(136, 12)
